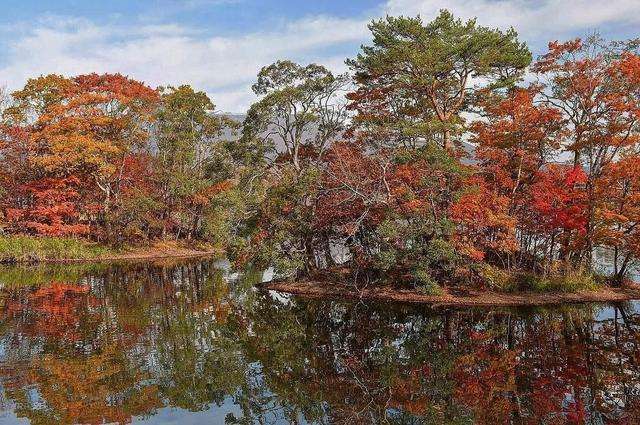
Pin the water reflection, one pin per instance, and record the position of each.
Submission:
(192, 343)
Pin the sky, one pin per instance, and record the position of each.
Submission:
(219, 46)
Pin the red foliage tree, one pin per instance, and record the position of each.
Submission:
(618, 213)
(597, 89)
(52, 208)
(515, 141)
(559, 207)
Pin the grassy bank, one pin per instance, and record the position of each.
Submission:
(500, 280)
(29, 249)
(14, 248)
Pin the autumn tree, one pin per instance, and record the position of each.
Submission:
(392, 210)
(299, 112)
(514, 142)
(194, 162)
(18, 170)
(53, 208)
(416, 79)
(84, 128)
(484, 228)
(559, 205)
(618, 214)
(14, 172)
(597, 89)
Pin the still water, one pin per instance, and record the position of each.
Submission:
(191, 343)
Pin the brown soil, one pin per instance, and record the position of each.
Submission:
(317, 289)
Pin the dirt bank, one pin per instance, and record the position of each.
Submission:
(316, 289)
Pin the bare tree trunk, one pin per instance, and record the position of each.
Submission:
(576, 158)
(446, 142)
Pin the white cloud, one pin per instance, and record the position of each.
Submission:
(535, 21)
(170, 54)
(226, 66)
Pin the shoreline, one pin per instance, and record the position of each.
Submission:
(471, 298)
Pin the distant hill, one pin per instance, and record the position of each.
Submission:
(239, 117)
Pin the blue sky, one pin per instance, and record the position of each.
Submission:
(219, 45)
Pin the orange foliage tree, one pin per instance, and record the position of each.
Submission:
(80, 132)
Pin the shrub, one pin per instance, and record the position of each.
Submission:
(572, 281)
(557, 281)
(425, 283)
(496, 278)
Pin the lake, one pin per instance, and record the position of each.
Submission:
(193, 342)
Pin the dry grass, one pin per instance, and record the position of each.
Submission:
(29, 249)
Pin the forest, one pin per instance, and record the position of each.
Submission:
(446, 156)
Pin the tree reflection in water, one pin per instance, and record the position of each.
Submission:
(82, 344)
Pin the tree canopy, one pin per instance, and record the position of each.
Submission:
(358, 173)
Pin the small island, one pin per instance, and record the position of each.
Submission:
(432, 171)
(322, 289)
